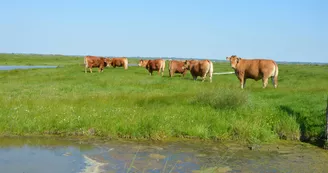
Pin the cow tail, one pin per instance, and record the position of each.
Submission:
(163, 65)
(277, 71)
(211, 70)
(126, 63)
(275, 75)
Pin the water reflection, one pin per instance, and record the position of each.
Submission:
(63, 155)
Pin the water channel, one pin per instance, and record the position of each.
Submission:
(53, 155)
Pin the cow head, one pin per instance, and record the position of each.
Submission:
(142, 63)
(234, 60)
(186, 64)
(108, 62)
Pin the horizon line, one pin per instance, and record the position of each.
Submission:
(152, 57)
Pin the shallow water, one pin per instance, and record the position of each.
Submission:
(23, 67)
(38, 155)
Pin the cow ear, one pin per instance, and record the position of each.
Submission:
(228, 58)
(238, 59)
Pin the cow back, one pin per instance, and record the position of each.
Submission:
(155, 64)
(255, 68)
(200, 67)
(94, 61)
(176, 66)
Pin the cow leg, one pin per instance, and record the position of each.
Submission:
(203, 78)
(184, 73)
(85, 69)
(242, 81)
(210, 76)
(90, 69)
(162, 71)
(195, 77)
(241, 78)
(265, 82)
(274, 81)
(171, 73)
(102, 68)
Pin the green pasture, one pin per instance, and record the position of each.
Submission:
(131, 104)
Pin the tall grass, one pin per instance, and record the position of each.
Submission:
(221, 98)
(131, 104)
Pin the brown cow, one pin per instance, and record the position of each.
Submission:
(95, 61)
(254, 69)
(200, 68)
(153, 65)
(176, 66)
(143, 63)
(119, 62)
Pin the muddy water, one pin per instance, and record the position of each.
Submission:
(38, 155)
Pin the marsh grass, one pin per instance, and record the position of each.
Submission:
(131, 104)
(221, 98)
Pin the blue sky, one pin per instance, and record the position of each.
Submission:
(283, 30)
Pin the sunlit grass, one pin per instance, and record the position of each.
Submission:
(132, 104)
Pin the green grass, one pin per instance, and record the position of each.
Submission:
(131, 104)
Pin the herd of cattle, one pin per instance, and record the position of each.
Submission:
(244, 68)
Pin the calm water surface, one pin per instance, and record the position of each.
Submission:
(39, 155)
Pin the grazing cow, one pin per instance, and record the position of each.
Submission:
(153, 65)
(143, 63)
(119, 62)
(95, 61)
(254, 69)
(200, 68)
(176, 66)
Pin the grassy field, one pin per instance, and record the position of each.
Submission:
(131, 104)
